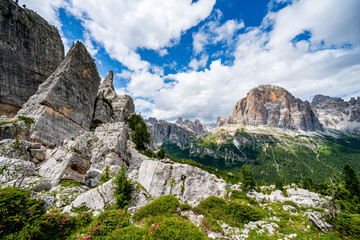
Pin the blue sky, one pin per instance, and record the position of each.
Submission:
(196, 59)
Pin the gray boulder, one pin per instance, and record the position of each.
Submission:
(187, 182)
(15, 170)
(317, 219)
(63, 106)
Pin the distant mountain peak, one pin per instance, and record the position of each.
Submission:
(274, 106)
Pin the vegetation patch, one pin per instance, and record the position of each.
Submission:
(165, 205)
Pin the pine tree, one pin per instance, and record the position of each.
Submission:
(247, 179)
(123, 188)
(351, 179)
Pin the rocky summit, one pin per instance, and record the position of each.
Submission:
(110, 107)
(336, 113)
(63, 106)
(195, 126)
(274, 106)
(30, 50)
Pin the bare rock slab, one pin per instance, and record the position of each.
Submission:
(63, 106)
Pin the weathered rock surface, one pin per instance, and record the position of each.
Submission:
(63, 106)
(97, 198)
(15, 169)
(319, 222)
(30, 50)
(164, 132)
(273, 106)
(69, 161)
(110, 107)
(187, 182)
(299, 196)
(84, 158)
(11, 128)
(336, 113)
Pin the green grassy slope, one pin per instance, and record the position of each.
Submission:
(274, 156)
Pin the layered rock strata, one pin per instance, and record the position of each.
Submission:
(30, 50)
(63, 106)
(273, 106)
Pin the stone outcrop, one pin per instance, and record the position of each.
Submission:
(318, 220)
(110, 107)
(220, 121)
(30, 50)
(187, 182)
(273, 106)
(85, 158)
(15, 169)
(164, 132)
(63, 106)
(301, 197)
(11, 128)
(336, 113)
(97, 198)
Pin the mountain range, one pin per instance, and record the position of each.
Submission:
(266, 127)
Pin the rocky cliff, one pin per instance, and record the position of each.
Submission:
(274, 106)
(30, 50)
(63, 106)
(336, 113)
(164, 132)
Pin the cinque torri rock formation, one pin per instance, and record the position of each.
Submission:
(274, 106)
(65, 136)
(30, 50)
(63, 106)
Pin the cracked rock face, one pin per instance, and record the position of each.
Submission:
(273, 106)
(164, 132)
(110, 107)
(85, 158)
(30, 50)
(63, 106)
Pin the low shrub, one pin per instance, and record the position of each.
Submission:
(22, 217)
(232, 213)
(69, 183)
(238, 195)
(130, 232)
(28, 120)
(165, 205)
(162, 227)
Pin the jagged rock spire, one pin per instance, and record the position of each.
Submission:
(110, 107)
(63, 104)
